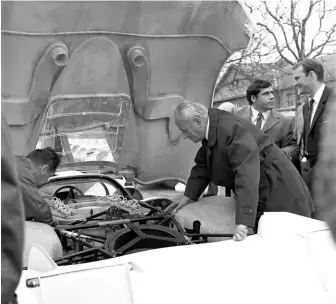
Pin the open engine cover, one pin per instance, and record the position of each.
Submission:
(117, 66)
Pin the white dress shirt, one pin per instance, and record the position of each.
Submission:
(317, 98)
(254, 116)
(207, 130)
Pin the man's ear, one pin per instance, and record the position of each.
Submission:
(253, 98)
(312, 75)
(44, 169)
(198, 120)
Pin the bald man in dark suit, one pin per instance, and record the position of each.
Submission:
(237, 155)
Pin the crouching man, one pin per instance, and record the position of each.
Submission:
(34, 171)
(235, 154)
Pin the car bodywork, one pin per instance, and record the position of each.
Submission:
(117, 69)
(280, 264)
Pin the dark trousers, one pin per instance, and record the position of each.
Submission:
(309, 176)
(307, 172)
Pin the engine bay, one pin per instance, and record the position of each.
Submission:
(97, 218)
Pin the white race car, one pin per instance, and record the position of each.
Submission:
(291, 260)
(98, 82)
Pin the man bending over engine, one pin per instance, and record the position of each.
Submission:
(237, 155)
(34, 171)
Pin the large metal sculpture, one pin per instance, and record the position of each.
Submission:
(118, 66)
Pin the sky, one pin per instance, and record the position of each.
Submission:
(312, 24)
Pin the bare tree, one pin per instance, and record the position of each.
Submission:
(294, 36)
(288, 31)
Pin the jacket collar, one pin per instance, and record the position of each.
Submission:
(318, 95)
(273, 119)
(320, 106)
(212, 134)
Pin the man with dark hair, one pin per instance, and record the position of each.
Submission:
(260, 112)
(34, 171)
(237, 155)
(309, 77)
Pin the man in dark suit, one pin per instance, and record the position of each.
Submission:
(260, 112)
(309, 77)
(235, 154)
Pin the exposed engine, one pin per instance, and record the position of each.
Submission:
(116, 206)
(112, 225)
(94, 227)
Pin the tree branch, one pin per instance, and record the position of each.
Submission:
(279, 23)
(292, 21)
(276, 43)
(327, 41)
(248, 6)
(321, 17)
(304, 23)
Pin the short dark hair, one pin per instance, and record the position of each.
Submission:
(309, 65)
(255, 87)
(46, 156)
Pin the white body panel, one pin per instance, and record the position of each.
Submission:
(291, 260)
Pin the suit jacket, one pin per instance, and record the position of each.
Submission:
(280, 128)
(311, 135)
(35, 206)
(239, 156)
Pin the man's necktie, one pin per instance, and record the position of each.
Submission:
(308, 122)
(259, 119)
(311, 102)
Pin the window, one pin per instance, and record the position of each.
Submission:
(290, 100)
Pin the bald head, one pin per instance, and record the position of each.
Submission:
(228, 106)
(189, 110)
(191, 119)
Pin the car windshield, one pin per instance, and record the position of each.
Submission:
(85, 129)
(80, 146)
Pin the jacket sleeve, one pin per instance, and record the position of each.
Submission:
(35, 206)
(289, 142)
(243, 154)
(199, 176)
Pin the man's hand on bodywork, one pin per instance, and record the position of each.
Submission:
(241, 233)
(179, 204)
